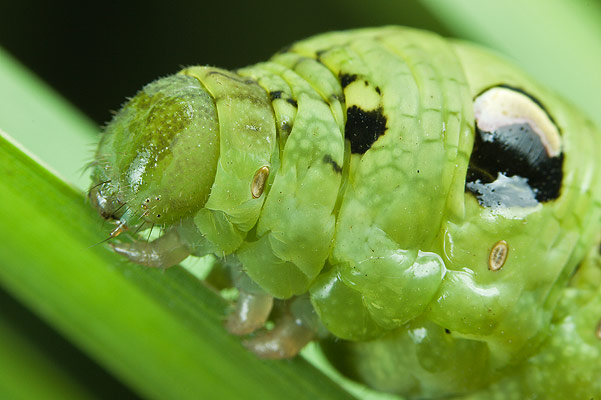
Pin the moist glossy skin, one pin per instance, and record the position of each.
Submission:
(453, 258)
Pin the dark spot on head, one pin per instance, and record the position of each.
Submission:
(378, 90)
(329, 160)
(363, 128)
(293, 102)
(346, 79)
(447, 331)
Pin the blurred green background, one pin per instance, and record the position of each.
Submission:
(96, 54)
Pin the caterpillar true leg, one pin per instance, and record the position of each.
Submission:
(252, 310)
(166, 251)
(285, 340)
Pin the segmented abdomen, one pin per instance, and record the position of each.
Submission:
(398, 97)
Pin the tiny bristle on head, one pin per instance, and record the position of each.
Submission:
(102, 241)
(139, 227)
(150, 233)
(121, 227)
(100, 184)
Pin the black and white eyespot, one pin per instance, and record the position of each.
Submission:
(517, 156)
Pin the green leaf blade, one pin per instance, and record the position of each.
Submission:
(160, 331)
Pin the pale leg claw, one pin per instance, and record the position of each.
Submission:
(166, 251)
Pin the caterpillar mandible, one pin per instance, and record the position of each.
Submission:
(419, 205)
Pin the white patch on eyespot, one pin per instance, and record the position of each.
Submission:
(504, 192)
(498, 255)
(501, 106)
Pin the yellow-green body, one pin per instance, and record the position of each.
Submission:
(367, 136)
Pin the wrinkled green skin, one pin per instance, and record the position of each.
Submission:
(391, 248)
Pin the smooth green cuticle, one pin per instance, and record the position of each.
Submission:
(369, 207)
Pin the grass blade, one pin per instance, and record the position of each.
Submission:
(160, 331)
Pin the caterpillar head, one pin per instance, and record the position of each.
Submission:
(156, 161)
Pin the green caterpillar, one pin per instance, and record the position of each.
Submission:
(415, 196)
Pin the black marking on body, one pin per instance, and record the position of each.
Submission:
(516, 150)
(329, 160)
(347, 79)
(278, 94)
(378, 91)
(363, 128)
